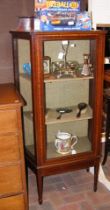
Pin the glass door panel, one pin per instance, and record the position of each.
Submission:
(68, 81)
(25, 85)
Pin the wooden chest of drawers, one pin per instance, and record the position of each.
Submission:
(13, 193)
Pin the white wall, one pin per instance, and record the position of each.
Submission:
(100, 11)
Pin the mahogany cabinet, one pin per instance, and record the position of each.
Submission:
(60, 76)
(13, 193)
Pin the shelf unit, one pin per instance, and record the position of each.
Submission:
(45, 93)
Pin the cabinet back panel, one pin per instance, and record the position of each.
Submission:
(67, 93)
(78, 128)
(53, 48)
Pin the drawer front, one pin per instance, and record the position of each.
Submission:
(8, 121)
(10, 180)
(12, 203)
(9, 150)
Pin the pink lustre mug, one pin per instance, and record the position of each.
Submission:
(65, 142)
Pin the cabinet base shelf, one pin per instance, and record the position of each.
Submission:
(82, 146)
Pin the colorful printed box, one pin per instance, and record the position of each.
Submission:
(60, 15)
(54, 5)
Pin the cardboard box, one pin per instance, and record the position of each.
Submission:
(59, 15)
(55, 5)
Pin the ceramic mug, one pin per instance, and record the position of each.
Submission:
(65, 142)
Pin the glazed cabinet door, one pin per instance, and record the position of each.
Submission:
(69, 76)
(69, 97)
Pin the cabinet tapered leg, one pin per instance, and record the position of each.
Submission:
(96, 170)
(40, 187)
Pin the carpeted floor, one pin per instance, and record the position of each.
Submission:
(70, 191)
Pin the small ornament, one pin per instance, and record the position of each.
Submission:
(86, 70)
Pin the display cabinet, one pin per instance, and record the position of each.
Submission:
(60, 76)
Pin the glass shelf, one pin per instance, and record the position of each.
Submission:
(83, 145)
(53, 79)
(52, 114)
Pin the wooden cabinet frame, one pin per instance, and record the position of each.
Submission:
(38, 163)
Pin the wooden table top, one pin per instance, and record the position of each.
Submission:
(9, 95)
